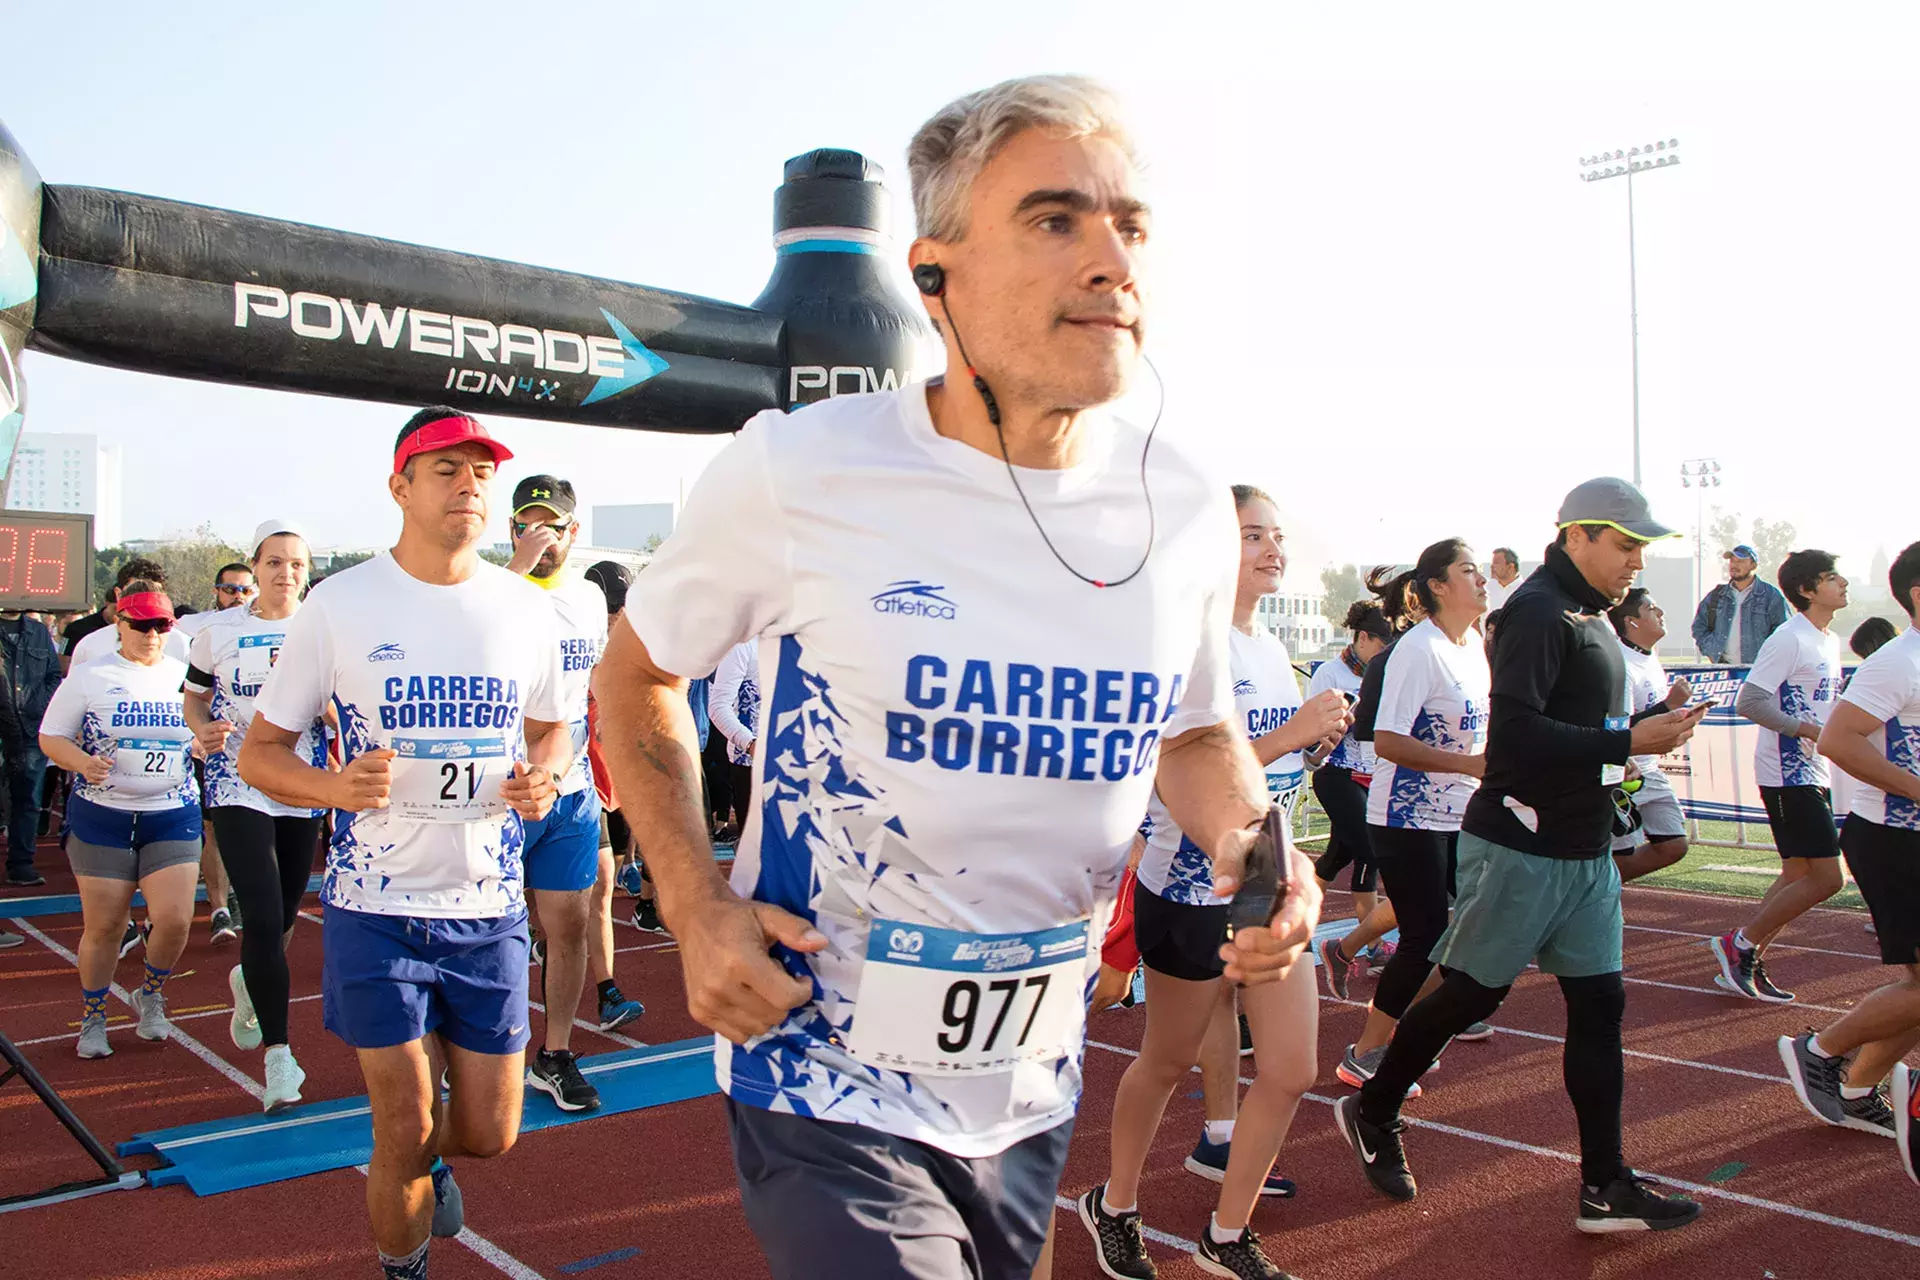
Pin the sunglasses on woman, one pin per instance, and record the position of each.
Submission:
(147, 626)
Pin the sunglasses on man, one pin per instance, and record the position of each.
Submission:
(558, 527)
(234, 589)
(147, 626)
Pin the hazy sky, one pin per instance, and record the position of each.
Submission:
(1380, 289)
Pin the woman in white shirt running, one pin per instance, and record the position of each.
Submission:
(134, 816)
(1180, 926)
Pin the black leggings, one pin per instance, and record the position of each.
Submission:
(1592, 1065)
(268, 860)
(1417, 868)
(1345, 804)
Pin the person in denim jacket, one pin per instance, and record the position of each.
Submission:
(1736, 617)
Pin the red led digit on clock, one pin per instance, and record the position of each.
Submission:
(46, 561)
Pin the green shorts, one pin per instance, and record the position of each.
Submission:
(1513, 907)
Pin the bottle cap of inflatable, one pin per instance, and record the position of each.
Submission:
(829, 187)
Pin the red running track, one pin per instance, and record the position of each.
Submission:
(650, 1194)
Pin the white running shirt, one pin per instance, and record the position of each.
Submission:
(237, 650)
(1887, 687)
(580, 610)
(1265, 696)
(734, 703)
(444, 676)
(1435, 692)
(1335, 674)
(133, 713)
(105, 643)
(1800, 666)
(1647, 686)
(957, 739)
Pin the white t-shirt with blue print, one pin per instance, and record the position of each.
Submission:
(1435, 692)
(1334, 674)
(1887, 687)
(236, 650)
(734, 706)
(1266, 694)
(957, 739)
(444, 675)
(135, 714)
(580, 613)
(1800, 666)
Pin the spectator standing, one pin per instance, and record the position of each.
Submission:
(1505, 579)
(1735, 618)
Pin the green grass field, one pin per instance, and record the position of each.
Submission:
(1692, 873)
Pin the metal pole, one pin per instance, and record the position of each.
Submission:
(1633, 305)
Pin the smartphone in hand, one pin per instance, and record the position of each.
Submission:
(1265, 882)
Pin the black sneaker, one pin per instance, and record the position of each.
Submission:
(1240, 1259)
(557, 1074)
(1815, 1078)
(25, 878)
(133, 937)
(1871, 1114)
(1121, 1254)
(221, 923)
(646, 916)
(1631, 1203)
(1378, 1149)
(1764, 985)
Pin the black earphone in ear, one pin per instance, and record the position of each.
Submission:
(931, 279)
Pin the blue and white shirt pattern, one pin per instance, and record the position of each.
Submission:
(1800, 666)
(1436, 692)
(237, 649)
(1887, 687)
(135, 713)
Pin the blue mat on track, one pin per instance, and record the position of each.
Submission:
(251, 1151)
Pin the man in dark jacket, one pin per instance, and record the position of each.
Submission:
(1536, 879)
(32, 665)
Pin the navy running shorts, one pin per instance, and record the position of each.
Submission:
(563, 848)
(389, 980)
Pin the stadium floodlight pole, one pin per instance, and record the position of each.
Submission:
(1616, 164)
(1700, 474)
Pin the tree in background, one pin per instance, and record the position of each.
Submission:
(1773, 539)
(190, 561)
(1340, 588)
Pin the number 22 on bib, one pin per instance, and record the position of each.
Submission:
(947, 1002)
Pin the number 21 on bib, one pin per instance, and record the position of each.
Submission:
(947, 1002)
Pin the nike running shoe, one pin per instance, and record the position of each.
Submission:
(617, 1011)
(133, 937)
(1377, 1147)
(224, 934)
(646, 916)
(1239, 1259)
(1355, 1070)
(1631, 1203)
(630, 880)
(1120, 1251)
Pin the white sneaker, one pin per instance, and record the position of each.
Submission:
(93, 1038)
(284, 1078)
(153, 1024)
(245, 1026)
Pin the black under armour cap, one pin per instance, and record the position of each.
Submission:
(543, 491)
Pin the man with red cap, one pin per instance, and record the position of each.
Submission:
(445, 672)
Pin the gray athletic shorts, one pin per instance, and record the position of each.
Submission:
(835, 1201)
(128, 864)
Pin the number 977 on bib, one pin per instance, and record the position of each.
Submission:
(947, 1002)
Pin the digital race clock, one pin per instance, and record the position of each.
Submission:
(46, 560)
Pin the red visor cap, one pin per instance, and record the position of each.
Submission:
(444, 433)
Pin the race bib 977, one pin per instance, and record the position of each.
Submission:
(948, 1002)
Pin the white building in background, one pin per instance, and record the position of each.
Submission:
(55, 471)
(633, 524)
(1295, 617)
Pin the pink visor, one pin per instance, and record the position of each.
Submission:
(144, 606)
(444, 433)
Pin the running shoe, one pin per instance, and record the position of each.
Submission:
(8, 940)
(1632, 1203)
(449, 1207)
(1816, 1078)
(27, 879)
(152, 1008)
(617, 1011)
(1240, 1259)
(1355, 1070)
(1377, 1148)
(646, 916)
(93, 1038)
(1870, 1114)
(1906, 1117)
(1246, 1037)
(224, 934)
(244, 1027)
(1378, 955)
(1121, 1254)
(1764, 985)
(630, 879)
(1338, 970)
(1872, 930)
(1209, 1160)
(1736, 965)
(556, 1073)
(133, 937)
(1478, 1031)
(284, 1078)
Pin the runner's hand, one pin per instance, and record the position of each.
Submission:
(529, 792)
(1255, 956)
(527, 551)
(1323, 716)
(1657, 735)
(733, 986)
(211, 737)
(366, 782)
(1679, 694)
(97, 769)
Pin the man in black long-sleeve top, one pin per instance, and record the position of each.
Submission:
(1535, 878)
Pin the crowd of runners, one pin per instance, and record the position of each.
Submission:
(965, 812)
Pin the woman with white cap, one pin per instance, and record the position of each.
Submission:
(268, 847)
(134, 816)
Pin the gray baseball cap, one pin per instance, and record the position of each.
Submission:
(1612, 501)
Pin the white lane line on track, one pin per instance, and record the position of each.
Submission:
(1510, 1144)
(485, 1249)
(175, 1018)
(1772, 946)
(1729, 995)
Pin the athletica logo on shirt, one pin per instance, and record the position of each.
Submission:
(912, 598)
(388, 653)
(1244, 689)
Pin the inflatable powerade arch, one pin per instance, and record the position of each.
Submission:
(160, 286)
